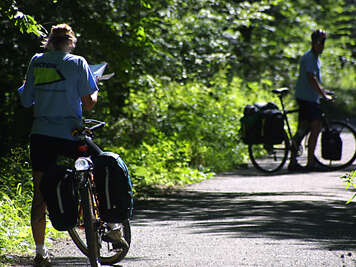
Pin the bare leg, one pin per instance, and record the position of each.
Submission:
(303, 128)
(38, 211)
(315, 128)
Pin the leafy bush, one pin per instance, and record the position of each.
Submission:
(349, 180)
(181, 133)
(15, 169)
(15, 205)
(163, 163)
(15, 232)
(15, 229)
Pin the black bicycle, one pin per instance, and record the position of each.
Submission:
(87, 234)
(272, 157)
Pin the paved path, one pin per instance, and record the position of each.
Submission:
(242, 219)
(246, 219)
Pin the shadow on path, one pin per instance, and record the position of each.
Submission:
(271, 215)
(253, 172)
(328, 223)
(57, 261)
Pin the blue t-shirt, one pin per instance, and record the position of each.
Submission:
(303, 89)
(55, 83)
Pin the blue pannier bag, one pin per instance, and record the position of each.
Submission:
(58, 190)
(113, 187)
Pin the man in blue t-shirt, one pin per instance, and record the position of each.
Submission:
(308, 91)
(57, 85)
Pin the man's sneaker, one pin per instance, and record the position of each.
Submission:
(115, 237)
(296, 167)
(42, 261)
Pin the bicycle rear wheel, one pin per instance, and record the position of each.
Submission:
(269, 158)
(348, 138)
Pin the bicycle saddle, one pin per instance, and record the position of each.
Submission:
(281, 91)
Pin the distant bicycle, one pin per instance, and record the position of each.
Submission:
(272, 157)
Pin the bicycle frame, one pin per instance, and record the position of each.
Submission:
(285, 113)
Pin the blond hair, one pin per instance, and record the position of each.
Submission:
(61, 37)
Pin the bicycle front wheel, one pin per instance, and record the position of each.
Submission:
(348, 154)
(269, 157)
(108, 253)
(90, 226)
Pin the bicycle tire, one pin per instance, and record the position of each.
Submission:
(106, 256)
(269, 158)
(90, 226)
(348, 138)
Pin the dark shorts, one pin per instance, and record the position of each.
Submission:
(44, 150)
(309, 111)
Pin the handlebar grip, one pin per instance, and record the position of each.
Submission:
(102, 124)
(98, 124)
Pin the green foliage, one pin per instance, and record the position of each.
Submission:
(15, 170)
(15, 232)
(15, 203)
(163, 163)
(349, 180)
(206, 118)
(24, 23)
(176, 133)
(15, 229)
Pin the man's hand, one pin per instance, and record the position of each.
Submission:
(89, 101)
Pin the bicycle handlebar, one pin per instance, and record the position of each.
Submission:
(98, 124)
(88, 131)
(281, 92)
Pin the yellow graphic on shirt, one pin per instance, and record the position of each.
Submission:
(45, 75)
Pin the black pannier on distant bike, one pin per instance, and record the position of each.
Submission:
(262, 124)
(251, 124)
(59, 193)
(331, 144)
(113, 186)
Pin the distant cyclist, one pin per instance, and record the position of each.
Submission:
(308, 92)
(57, 84)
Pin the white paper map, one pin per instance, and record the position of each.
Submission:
(98, 71)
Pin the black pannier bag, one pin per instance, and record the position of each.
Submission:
(262, 124)
(272, 126)
(250, 130)
(331, 145)
(58, 190)
(114, 187)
